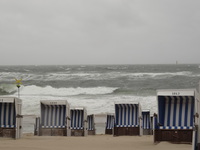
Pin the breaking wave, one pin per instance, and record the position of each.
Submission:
(6, 89)
(66, 76)
(48, 90)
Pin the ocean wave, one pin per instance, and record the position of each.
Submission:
(48, 90)
(6, 89)
(158, 75)
(68, 75)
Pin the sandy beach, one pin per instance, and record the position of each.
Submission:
(97, 142)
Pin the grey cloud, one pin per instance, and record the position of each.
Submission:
(99, 31)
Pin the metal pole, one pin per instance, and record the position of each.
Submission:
(18, 92)
(18, 86)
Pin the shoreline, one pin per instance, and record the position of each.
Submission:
(91, 142)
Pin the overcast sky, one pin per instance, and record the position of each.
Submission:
(62, 32)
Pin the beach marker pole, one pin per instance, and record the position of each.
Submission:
(18, 84)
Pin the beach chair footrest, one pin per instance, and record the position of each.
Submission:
(77, 132)
(53, 132)
(126, 131)
(109, 131)
(7, 132)
(174, 135)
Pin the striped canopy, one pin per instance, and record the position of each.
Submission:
(90, 120)
(175, 111)
(126, 115)
(7, 115)
(110, 122)
(77, 118)
(146, 119)
(53, 116)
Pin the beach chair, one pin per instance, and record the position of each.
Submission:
(10, 117)
(100, 123)
(151, 125)
(128, 119)
(91, 125)
(109, 123)
(79, 121)
(177, 116)
(54, 120)
(146, 122)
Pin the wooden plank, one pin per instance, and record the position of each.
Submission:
(91, 132)
(174, 136)
(77, 132)
(58, 132)
(118, 131)
(8, 133)
(108, 131)
(146, 131)
(45, 132)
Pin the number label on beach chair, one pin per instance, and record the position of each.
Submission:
(175, 93)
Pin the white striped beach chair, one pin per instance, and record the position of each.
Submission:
(55, 118)
(128, 119)
(79, 121)
(177, 115)
(10, 117)
(100, 123)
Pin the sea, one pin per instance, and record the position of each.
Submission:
(95, 87)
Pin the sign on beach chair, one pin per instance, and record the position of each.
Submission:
(146, 122)
(109, 123)
(55, 118)
(79, 121)
(177, 115)
(128, 119)
(10, 117)
(91, 125)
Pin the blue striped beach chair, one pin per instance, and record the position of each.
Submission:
(109, 123)
(91, 125)
(146, 122)
(79, 121)
(128, 119)
(151, 124)
(177, 115)
(55, 118)
(10, 117)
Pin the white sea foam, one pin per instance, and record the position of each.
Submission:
(7, 76)
(97, 105)
(48, 90)
(9, 88)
